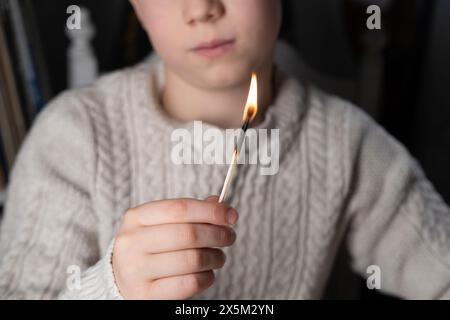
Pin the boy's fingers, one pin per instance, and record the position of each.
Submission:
(175, 237)
(180, 287)
(182, 211)
(170, 264)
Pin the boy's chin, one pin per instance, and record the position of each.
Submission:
(222, 77)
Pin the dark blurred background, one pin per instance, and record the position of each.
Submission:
(399, 74)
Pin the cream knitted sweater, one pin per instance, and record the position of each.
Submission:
(97, 151)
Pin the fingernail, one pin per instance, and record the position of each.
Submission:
(232, 216)
(234, 234)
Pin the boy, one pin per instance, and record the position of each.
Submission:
(95, 192)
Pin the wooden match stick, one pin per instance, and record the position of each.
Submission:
(250, 110)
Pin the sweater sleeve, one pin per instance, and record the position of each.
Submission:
(48, 237)
(399, 222)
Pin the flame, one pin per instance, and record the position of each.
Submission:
(251, 107)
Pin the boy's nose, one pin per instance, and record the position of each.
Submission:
(195, 11)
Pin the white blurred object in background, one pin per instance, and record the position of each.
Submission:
(82, 64)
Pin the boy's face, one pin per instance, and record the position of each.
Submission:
(177, 27)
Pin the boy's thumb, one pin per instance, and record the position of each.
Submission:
(212, 199)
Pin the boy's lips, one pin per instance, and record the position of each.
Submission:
(214, 48)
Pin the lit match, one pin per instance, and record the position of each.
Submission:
(251, 108)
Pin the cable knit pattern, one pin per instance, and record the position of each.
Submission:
(99, 150)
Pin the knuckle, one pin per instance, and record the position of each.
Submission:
(130, 214)
(217, 214)
(192, 282)
(128, 218)
(132, 269)
(192, 235)
(123, 241)
(134, 217)
(152, 291)
(180, 207)
(194, 258)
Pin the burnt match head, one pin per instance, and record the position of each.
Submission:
(251, 113)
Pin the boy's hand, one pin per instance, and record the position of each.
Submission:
(163, 249)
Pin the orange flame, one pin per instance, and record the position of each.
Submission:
(251, 107)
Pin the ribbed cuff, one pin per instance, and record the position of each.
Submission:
(97, 283)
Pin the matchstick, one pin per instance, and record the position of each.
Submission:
(250, 111)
